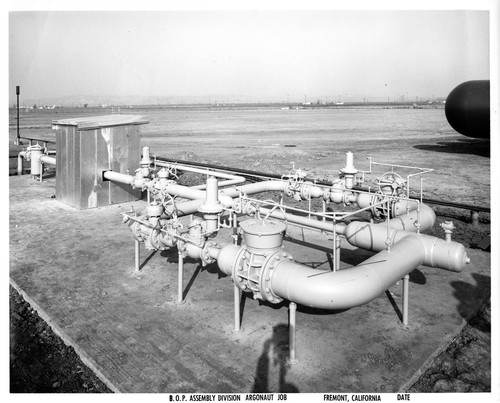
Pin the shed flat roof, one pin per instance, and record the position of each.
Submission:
(96, 122)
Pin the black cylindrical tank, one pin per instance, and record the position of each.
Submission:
(468, 108)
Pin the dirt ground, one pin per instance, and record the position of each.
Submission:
(41, 362)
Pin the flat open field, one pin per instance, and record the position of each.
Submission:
(270, 140)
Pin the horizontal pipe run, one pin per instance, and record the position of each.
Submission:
(326, 226)
(195, 194)
(405, 222)
(216, 174)
(45, 159)
(118, 177)
(184, 208)
(221, 184)
(264, 176)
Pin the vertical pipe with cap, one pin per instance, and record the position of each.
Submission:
(212, 190)
(349, 171)
(20, 157)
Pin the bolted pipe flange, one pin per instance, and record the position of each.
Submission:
(267, 277)
(206, 252)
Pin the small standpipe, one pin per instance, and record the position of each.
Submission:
(349, 171)
(145, 162)
(212, 207)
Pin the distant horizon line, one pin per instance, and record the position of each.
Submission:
(290, 105)
(195, 100)
(289, 98)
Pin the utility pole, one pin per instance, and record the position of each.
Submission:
(18, 138)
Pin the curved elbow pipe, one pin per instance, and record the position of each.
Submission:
(437, 252)
(20, 157)
(351, 287)
(258, 187)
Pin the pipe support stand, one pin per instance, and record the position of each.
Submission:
(292, 309)
(237, 300)
(180, 280)
(405, 298)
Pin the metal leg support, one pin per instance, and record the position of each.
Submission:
(237, 318)
(235, 229)
(292, 309)
(406, 281)
(337, 252)
(137, 256)
(180, 281)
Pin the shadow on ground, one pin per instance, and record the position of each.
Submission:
(270, 375)
(470, 296)
(460, 146)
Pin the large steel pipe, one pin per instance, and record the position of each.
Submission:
(438, 252)
(344, 289)
(358, 285)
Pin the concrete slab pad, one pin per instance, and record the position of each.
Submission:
(77, 268)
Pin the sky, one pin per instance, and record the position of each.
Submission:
(245, 55)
